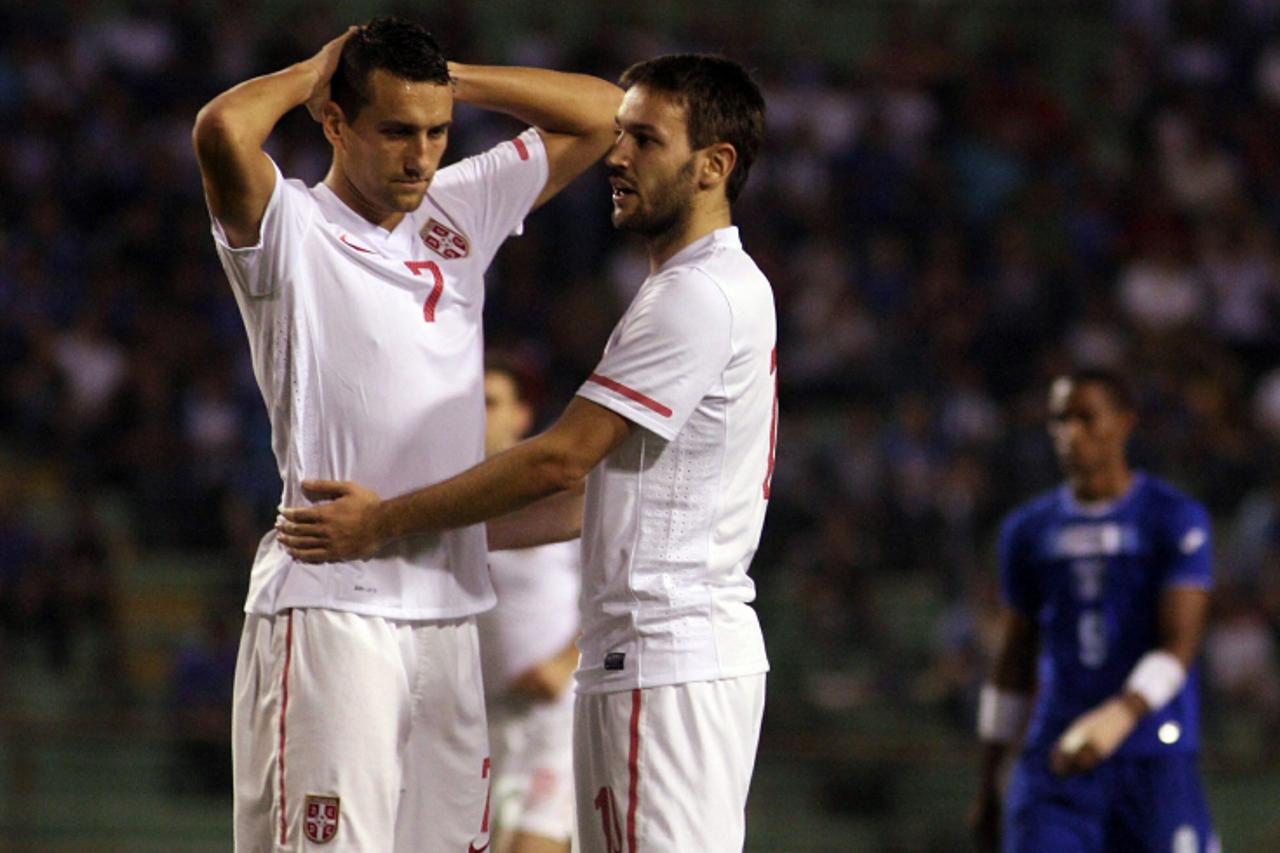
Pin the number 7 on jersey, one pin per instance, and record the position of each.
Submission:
(429, 307)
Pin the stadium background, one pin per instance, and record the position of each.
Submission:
(957, 201)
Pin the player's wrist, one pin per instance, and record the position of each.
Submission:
(458, 79)
(1158, 676)
(1135, 704)
(381, 524)
(1002, 714)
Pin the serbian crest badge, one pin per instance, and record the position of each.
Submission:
(444, 241)
(320, 818)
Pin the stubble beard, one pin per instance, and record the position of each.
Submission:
(670, 210)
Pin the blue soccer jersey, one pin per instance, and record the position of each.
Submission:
(1091, 578)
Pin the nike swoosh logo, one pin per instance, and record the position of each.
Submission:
(343, 238)
(472, 848)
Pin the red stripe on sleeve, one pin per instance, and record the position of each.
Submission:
(521, 148)
(284, 706)
(633, 765)
(630, 394)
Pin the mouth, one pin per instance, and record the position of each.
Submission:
(621, 189)
(412, 183)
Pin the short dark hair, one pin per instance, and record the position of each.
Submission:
(395, 45)
(722, 103)
(501, 362)
(1113, 384)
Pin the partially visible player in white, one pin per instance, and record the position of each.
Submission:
(529, 653)
(674, 433)
(359, 716)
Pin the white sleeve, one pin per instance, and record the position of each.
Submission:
(668, 352)
(495, 190)
(259, 270)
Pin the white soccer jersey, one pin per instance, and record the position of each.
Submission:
(536, 616)
(673, 515)
(367, 346)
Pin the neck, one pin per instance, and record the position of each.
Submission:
(662, 247)
(1104, 484)
(347, 193)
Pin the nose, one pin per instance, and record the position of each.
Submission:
(1067, 433)
(417, 161)
(615, 159)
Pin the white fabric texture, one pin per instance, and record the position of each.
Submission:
(667, 769)
(367, 346)
(383, 716)
(673, 515)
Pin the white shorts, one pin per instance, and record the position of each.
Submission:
(666, 769)
(359, 733)
(532, 747)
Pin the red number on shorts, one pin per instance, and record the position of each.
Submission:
(484, 774)
(608, 808)
(773, 426)
(429, 307)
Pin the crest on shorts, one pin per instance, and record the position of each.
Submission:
(320, 818)
(444, 241)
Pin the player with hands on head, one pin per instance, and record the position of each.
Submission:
(1107, 584)
(359, 715)
(674, 434)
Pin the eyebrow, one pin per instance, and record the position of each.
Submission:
(392, 124)
(636, 126)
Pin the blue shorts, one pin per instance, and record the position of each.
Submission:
(1126, 804)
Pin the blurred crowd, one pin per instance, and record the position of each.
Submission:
(949, 219)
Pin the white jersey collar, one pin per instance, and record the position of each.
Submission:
(340, 213)
(727, 237)
(1098, 509)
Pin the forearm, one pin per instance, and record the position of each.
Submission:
(554, 101)
(555, 518)
(991, 761)
(1004, 704)
(498, 486)
(1161, 673)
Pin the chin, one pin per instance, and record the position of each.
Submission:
(408, 203)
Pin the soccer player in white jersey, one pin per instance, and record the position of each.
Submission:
(529, 654)
(674, 433)
(359, 716)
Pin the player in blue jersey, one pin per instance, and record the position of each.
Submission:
(1106, 582)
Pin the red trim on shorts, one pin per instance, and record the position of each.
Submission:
(633, 765)
(521, 148)
(630, 393)
(284, 706)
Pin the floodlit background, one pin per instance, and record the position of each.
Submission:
(958, 200)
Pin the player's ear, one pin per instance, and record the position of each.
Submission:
(718, 161)
(333, 122)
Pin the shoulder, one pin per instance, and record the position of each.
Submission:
(1024, 523)
(293, 191)
(733, 270)
(458, 177)
(1175, 517)
(1034, 512)
(725, 272)
(292, 205)
(1161, 491)
(683, 294)
(1166, 501)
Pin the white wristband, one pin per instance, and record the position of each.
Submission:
(1001, 714)
(1157, 678)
